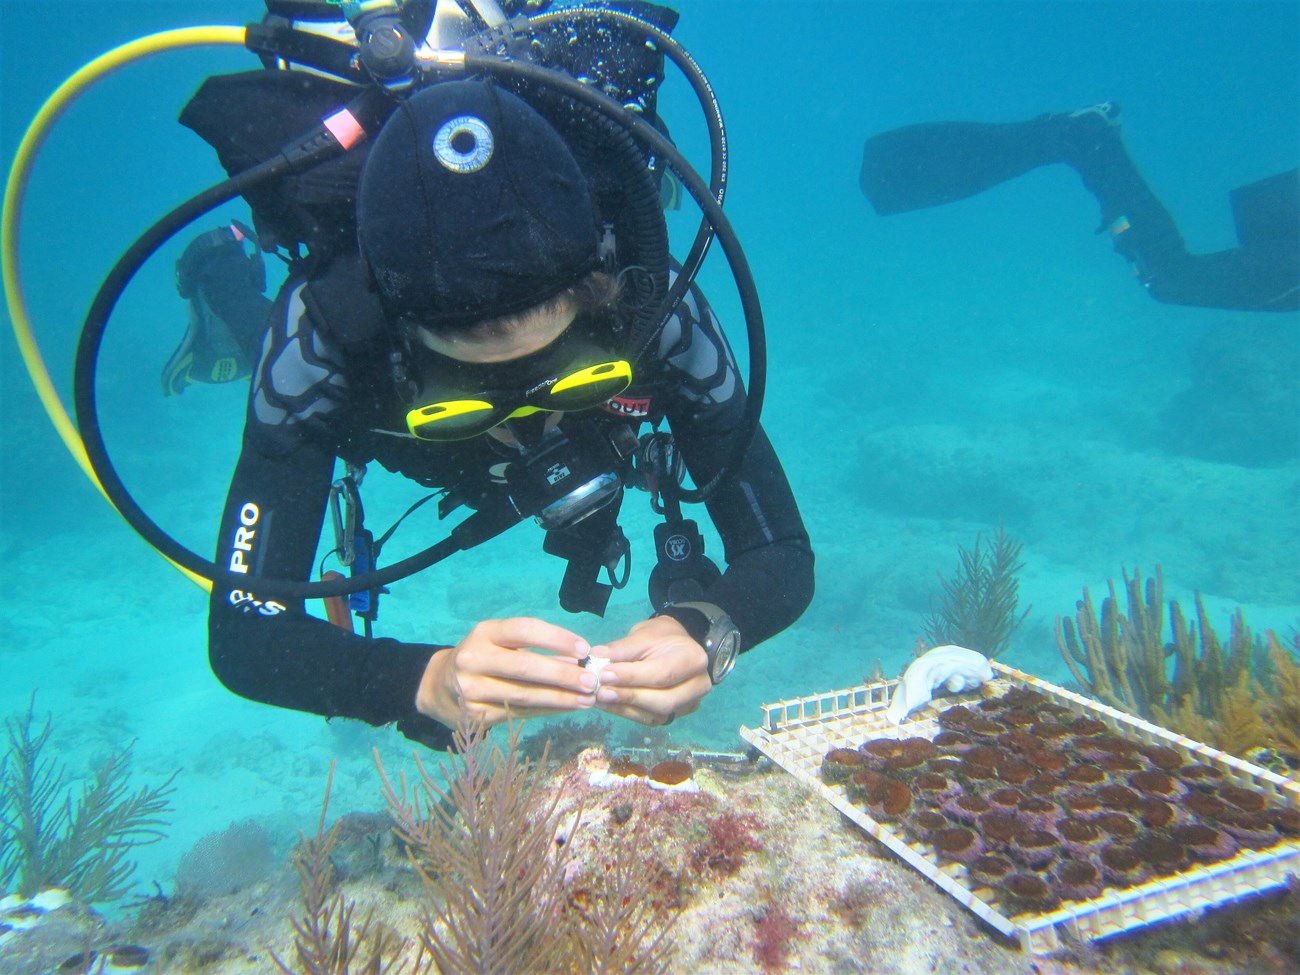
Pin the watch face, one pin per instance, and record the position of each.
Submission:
(723, 657)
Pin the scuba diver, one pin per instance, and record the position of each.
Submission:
(224, 283)
(470, 324)
(934, 163)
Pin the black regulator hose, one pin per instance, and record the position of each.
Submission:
(718, 157)
(368, 109)
(713, 213)
(610, 150)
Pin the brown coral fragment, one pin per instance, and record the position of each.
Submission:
(671, 772)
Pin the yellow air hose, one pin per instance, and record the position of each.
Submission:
(20, 173)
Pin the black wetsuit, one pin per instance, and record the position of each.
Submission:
(935, 163)
(324, 390)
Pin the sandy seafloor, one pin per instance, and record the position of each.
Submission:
(931, 376)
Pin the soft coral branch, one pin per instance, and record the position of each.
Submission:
(48, 840)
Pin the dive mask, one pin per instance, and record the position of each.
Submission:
(475, 398)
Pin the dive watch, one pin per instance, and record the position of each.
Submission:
(710, 627)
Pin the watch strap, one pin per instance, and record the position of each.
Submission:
(694, 620)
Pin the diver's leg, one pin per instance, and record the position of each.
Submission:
(1140, 228)
(1241, 279)
(1260, 276)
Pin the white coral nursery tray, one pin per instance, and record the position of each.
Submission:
(796, 734)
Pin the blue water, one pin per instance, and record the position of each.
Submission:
(932, 375)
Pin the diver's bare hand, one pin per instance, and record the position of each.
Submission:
(497, 673)
(657, 673)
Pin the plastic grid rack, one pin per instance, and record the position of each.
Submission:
(796, 734)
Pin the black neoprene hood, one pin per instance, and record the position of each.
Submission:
(471, 206)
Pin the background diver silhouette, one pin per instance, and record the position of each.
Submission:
(222, 276)
(934, 163)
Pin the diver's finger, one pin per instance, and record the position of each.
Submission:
(662, 671)
(641, 703)
(656, 716)
(522, 632)
(529, 667)
(484, 693)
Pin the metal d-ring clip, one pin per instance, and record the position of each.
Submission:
(345, 503)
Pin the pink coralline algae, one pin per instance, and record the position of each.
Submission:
(1041, 805)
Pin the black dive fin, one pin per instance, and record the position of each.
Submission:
(934, 163)
(1267, 212)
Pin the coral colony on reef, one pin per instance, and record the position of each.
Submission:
(1043, 805)
(1243, 698)
(978, 608)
